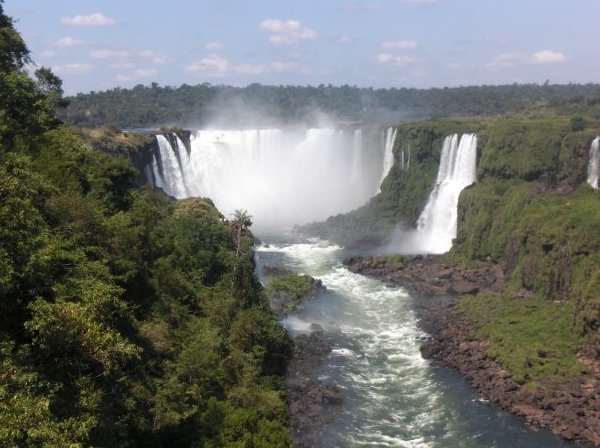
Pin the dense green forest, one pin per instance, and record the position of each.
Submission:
(260, 105)
(126, 318)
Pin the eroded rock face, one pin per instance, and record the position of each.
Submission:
(310, 399)
(431, 275)
(571, 410)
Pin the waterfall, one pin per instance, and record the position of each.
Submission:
(357, 161)
(436, 227)
(388, 152)
(594, 163)
(171, 176)
(281, 176)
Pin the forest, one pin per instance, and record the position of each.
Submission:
(126, 318)
(154, 106)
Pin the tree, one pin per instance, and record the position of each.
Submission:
(14, 54)
(241, 222)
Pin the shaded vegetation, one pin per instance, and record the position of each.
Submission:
(126, 319)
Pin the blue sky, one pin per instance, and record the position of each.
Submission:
(97, 45)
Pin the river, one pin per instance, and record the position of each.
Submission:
(392, 397)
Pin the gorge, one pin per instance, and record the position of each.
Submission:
(375, 358)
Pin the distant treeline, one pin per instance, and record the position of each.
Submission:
(155, 106)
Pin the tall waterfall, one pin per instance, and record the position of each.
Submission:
(594, 163)
(280, 176)
(388, 152)
(436, 227)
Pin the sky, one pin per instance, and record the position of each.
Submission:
(97, 45)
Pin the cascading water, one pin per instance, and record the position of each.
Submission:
(436, 227)
(594, 164)
(388, 152)
(281, 177)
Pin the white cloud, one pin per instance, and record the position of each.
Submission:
(400, 44)
(506, 60)
(386, 58)
(212, 65)
(353, 7)
(214, 46)
(156, 57)
(109, 54)
(78, 68)
(96, 19)
(48, 54)
(287, 31)
(219, 67)
(68, 42)
(138, 74)
(549, 57)
(344, 39)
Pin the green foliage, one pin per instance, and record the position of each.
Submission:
(287, 292)
(190, 105)
(126, 318)
(531, 337)
(522, 148)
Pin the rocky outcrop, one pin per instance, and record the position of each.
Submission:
(571, 410)
(309, 399)
(431, 274)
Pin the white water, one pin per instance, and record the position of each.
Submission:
(388, 152)
(280, 177)
(594, 163)
(437, 225)
(392, 397)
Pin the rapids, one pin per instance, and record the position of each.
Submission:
(392, 397)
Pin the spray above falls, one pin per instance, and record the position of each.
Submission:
(437, 225)
(594, 163)
(282, 177)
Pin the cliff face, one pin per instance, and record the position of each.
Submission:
(404, 191)
(531, 211)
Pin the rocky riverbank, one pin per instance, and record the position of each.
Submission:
(432, 274)
(571, 410)
(309, 399)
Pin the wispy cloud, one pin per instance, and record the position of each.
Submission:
(138, 74)
(156, 57)
(386, 58)
(77, 68)
(400, 44)
(356, 6)
(512, 59)
(549, 57)
(213, 46)
(109, 54)
(218, 67)
(287, 31)
(96, 19)
(66, 42)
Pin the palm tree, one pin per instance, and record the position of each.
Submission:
(241, 222)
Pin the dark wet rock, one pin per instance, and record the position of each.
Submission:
(309, 399)
(431, 274)
(570, 410)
